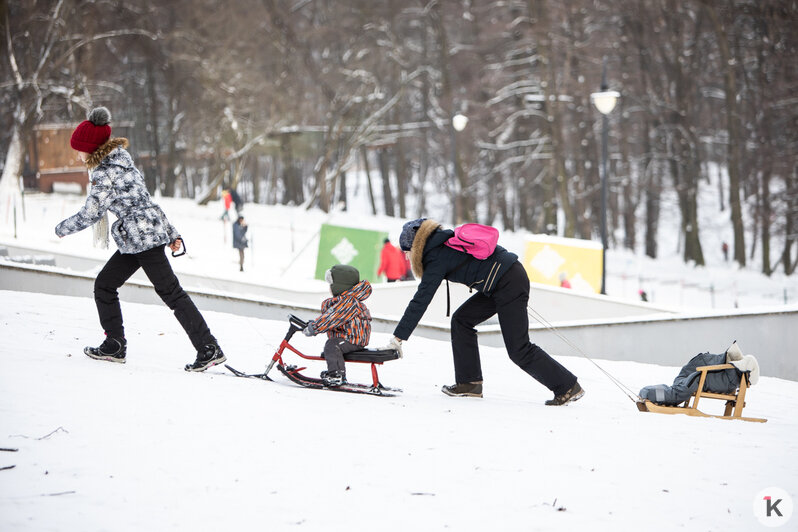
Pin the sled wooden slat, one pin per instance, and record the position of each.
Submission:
(734, 402)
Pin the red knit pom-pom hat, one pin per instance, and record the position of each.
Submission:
(92, 133)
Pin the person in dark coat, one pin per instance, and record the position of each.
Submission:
(240, 241)
(239, 203)
(141, 233)
(502, 288)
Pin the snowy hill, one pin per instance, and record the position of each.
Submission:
(147, 446)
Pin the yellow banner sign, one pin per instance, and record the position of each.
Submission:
(565, 262)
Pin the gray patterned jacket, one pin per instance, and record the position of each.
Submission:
(117, 186)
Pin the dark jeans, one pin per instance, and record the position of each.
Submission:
(509, 300)
(334, 351)
(156, 266)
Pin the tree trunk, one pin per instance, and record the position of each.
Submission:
(385, 171)
(294, 195)
(342, 191)
(153, 176)
(401, 176)
(733, 147)
(652, 194)
(556, 181)
(688, 204)
(10, 194)
(365, 156)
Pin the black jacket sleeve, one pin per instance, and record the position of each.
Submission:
(434, 273)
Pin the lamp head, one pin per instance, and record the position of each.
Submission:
(459, 121)
(605, 101)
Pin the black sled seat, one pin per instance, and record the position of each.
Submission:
(375, 356)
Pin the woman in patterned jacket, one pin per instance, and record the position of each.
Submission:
(141, 232)
(345, 319)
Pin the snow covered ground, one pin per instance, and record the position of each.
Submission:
(147, 446)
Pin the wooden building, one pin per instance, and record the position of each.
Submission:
(50, 159)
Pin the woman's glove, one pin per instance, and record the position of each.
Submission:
(396, 345)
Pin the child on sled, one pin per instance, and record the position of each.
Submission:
(345, 319)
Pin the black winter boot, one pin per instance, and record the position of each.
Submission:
(112, 350)
(465, 389)
(209, 355)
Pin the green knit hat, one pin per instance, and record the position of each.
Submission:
(341, 278)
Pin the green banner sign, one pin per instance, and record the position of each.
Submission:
(356, 247)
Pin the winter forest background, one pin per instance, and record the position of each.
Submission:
(282, 99)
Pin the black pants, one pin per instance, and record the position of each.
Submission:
(509, 300)
(334, 351)
(120, 267)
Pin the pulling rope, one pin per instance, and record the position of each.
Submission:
(543, 321)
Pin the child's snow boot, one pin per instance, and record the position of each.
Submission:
(465, 389)
(209, 355)
(112, 350)
(574, 394)
(333, 379)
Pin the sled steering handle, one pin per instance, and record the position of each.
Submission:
(296, 324)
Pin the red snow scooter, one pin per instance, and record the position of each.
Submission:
(375, 357)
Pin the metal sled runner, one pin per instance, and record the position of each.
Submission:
(734, 402)
(365, 356)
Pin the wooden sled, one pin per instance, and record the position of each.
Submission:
(734, 402)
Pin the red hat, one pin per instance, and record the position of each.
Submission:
(92, 133)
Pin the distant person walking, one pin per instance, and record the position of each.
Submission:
(502, 287)
(725, 249)
(227, 201)
(239, 203)
(141, 233)
(240, 241)
(392, 262)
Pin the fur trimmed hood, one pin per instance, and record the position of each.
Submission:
(745, 363)
(96, 157)
(419, 242)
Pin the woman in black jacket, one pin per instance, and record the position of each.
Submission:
(502, 288)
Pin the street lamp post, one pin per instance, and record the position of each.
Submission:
(605, 102)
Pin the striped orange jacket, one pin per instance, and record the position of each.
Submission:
(346, 316)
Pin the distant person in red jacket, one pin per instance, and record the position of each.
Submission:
(392, 262)
(227, 200)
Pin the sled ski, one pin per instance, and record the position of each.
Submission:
(374, 357)
(293, 374)
(734, 402)
(237, 373)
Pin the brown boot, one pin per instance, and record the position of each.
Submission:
(574, 394)
(466, 389)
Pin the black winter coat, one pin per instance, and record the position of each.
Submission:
(433, 262)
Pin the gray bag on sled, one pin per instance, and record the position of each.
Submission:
(686, 383)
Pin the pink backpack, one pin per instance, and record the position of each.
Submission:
(475, 239)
